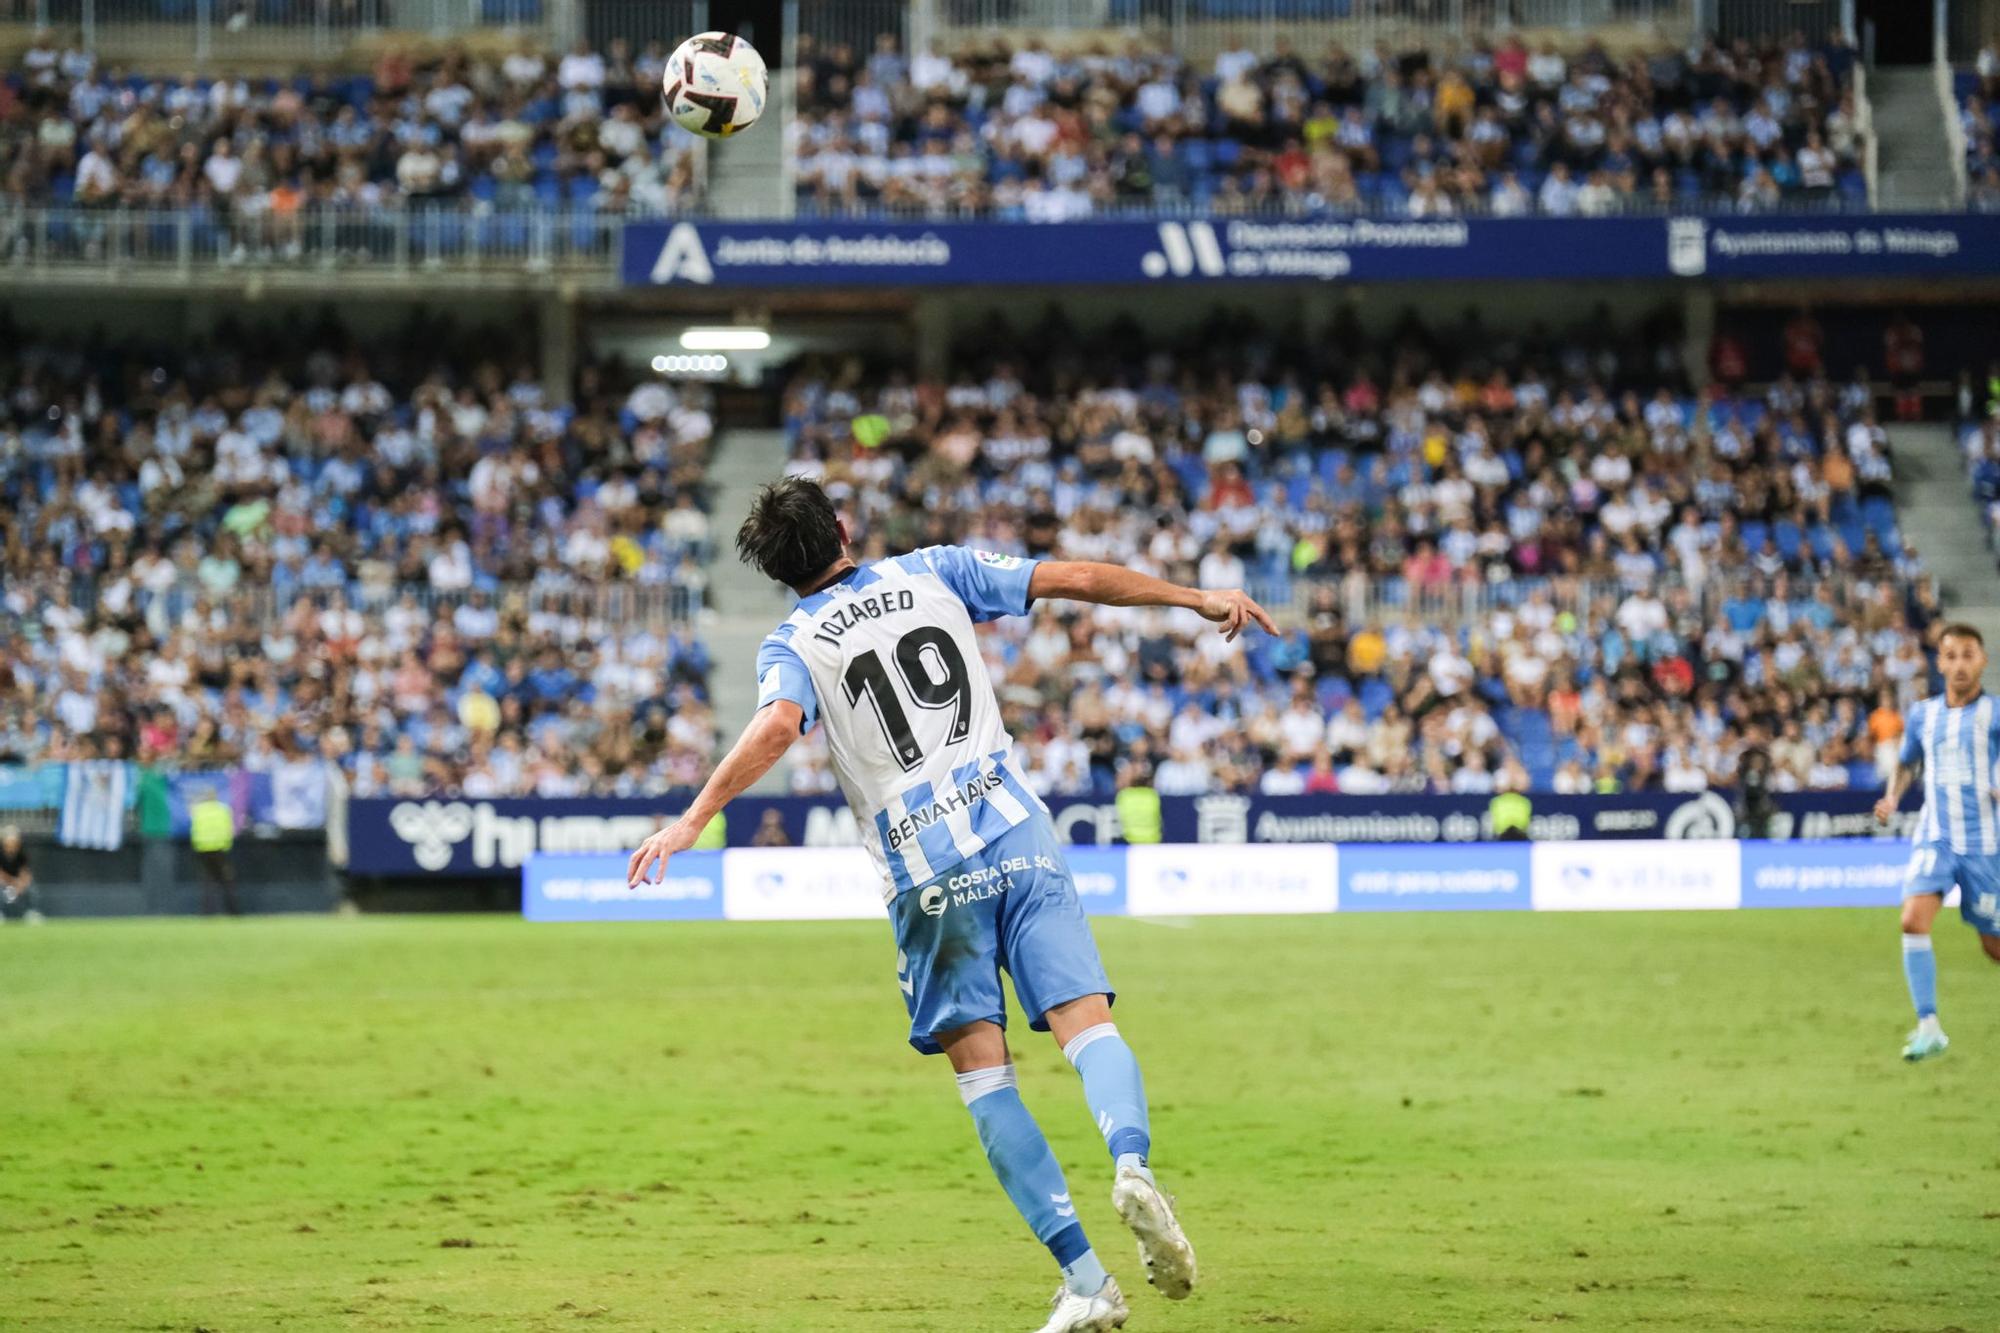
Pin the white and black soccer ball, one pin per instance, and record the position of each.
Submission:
(716, 85)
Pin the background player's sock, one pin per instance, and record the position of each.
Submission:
(1028, 1172)
(1117, 1096)
(1920, 970)
(1085, 1275)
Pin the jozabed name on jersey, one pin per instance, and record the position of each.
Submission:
(837, 620)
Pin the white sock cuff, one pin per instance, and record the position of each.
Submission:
(1076, 1045)
(976, 1083)
(1916, 944)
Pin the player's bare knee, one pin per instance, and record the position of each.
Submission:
(1067, 1019)
(1918, 913)
(979, 1045)
(1991, 943)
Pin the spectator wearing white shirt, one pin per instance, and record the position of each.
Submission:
(582, 70)
(1558, 195)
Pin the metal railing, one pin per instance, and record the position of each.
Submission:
(1369, 599)
(530, 246)
(396, 240)
(260, 606)
(668, 22)
(174, 32)
(1757, 19)
(1200, 28)
(1712, 206)
(1969, 26)
(1947, 92)
(822, 26)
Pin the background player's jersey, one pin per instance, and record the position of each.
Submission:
(1959, 747)
(887, 662)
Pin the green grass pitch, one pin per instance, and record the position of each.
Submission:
(1453, 1122)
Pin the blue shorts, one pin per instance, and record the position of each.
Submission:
(1935, 868)
(1011, 908)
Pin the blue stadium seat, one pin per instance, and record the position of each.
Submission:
(1334, 691)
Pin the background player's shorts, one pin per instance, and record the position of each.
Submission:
(1934, 869)
(1012, 907)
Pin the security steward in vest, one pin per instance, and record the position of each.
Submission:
(212, 833)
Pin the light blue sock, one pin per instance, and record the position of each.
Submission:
(1920, 970)
(1028, 1172)
(1116, 1093)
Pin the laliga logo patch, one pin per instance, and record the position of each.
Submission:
(932, 900)
(432, 829)
(996, 560)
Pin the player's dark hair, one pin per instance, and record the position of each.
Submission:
(791, 534)
(1958, 629)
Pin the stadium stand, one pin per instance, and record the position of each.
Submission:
(391, 551)
(1517, 563)
(1045, 135)
(1978, 88)
(458, 133)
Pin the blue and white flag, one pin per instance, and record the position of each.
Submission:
(93, 808)
(298, 794)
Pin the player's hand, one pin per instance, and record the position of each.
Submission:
(1233, 609)
(1885, 810)
(675, 837)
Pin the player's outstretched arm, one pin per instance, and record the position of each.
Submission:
(770, 733)
(1115, 585)
(1899, 782)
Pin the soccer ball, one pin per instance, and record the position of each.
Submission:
(716, 85)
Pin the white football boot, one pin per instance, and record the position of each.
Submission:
(1071, 1313)
(1163, 1246)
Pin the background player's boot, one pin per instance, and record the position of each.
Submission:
(1163, 1246)
(1071, 1313)
(1928, 1040)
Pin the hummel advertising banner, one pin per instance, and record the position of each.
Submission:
(1326, 249)
(457, 836)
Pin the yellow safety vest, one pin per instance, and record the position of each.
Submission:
(714, 835)
(212, 827)
(1509, 810)
(1139, 814)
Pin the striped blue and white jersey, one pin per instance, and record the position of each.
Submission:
(887, 662)
(1958, 747)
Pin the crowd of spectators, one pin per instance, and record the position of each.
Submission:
(1979, 118)
(1529, 560)
(1026, 131)
(584, 131)
(1978, 426)
(396, 552)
